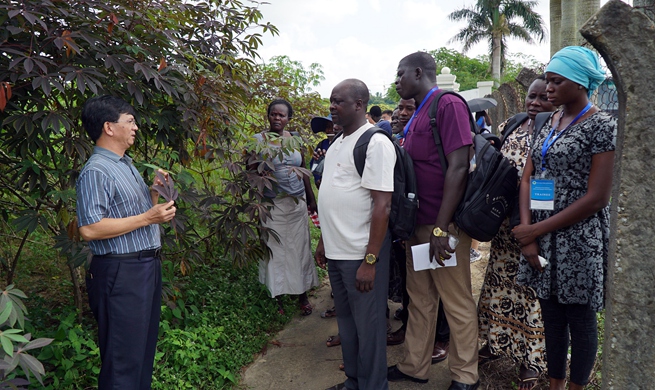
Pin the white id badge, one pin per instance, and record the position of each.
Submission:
(542, 194)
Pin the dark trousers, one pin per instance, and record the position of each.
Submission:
(443, 330)
(125, 297)
(362, 321)
(579, 321)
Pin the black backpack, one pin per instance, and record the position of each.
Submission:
(402, 217)
(491, 187)
(516, 121)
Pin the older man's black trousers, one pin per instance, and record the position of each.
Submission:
(125, 297)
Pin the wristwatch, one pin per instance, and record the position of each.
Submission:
(371, 259)
(439, 233)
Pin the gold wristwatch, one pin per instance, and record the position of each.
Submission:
(371, 259)
(439, 233)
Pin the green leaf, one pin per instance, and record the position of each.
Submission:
(7, 345)
(4, 316)
(16, 337)
(27, 222)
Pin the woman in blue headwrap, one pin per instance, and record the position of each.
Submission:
(564, 230)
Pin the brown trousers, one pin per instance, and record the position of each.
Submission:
(453, 285)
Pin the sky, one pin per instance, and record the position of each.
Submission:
(365, 39)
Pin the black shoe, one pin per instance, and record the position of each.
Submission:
(340, 386)
(395, 375)
(454, 385)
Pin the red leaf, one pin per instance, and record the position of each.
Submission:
(162, 64)
(167, 188)
(3, 100)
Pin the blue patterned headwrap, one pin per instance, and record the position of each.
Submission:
(579, 65)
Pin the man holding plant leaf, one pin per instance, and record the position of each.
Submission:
(119, 216)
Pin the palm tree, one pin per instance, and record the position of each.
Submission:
(495, 22)
(566, 19)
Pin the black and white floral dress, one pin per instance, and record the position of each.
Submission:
(577, 254)
(509, 314)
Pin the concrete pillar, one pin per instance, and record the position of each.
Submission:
(484, 88)
(446, 81)
(624, 37)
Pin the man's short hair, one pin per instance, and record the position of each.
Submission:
(376, 111)
(358, 90)
(98, 110)
(422, 60)
(388, 112)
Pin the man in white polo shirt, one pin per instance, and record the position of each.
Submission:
(355, 240)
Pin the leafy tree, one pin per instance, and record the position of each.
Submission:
(184, 65)
(468, 70)
(495, 21)
(516, 62)
(284, 78)
(383, 101)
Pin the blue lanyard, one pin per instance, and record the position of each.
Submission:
(548, 142)
(418, 109)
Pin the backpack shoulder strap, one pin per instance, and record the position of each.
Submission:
(541, 119)
(361, 146)
(513, 124)
(432, 114)
(539, 122)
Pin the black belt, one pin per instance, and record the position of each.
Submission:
(133, 255)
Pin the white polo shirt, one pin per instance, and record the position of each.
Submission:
(344, 199)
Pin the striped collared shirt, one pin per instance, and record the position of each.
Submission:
(109, 186)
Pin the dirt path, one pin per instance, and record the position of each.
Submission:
(299, 360)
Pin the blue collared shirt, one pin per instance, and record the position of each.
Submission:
(109, 186)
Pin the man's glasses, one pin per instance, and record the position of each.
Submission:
(131, 122)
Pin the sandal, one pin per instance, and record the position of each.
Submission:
(306, 309)
(527, 378)
(333, 341)
(485, 356)
(329, 313)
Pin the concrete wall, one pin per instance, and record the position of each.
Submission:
(625, 38)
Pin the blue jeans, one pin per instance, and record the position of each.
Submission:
(579, 321)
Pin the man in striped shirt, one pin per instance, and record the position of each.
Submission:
(118, 215)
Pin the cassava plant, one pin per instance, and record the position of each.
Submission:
(184, 65)
(15, 343)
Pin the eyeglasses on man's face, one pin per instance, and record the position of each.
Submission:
(131, 122)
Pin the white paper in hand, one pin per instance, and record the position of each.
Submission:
(421, 255)
(543, 262)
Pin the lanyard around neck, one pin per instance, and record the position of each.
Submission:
(425, 99)
(548, 142)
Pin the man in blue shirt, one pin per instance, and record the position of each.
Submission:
(118, 215)
(376, 115)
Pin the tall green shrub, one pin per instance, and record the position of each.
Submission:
(186, 66)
